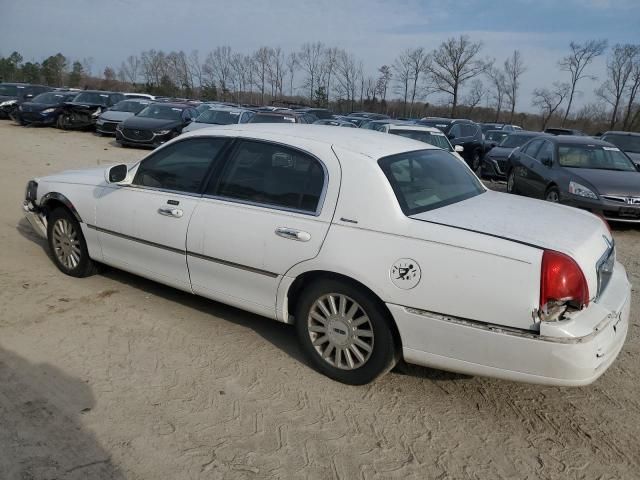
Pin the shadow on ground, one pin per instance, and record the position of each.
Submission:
(41, 436)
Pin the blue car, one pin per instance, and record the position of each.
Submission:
(43, 109)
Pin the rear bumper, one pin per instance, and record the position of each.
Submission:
(478, 349)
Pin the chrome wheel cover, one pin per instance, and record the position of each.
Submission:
(340, 331)
(66, 245)
(553, 196)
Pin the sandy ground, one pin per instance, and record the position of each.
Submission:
(116, 377)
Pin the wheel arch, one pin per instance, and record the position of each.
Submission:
(53, 200)
(307, 278)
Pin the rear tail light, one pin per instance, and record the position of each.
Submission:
(562, 285)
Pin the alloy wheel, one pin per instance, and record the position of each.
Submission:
(553, 196)
(340, 331)
(66, 244)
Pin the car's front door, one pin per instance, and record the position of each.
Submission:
(540, 169)
(142, 226)
(263, 213)
(523, 170)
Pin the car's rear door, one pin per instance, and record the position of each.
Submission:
(541, 169)
(263, 212)
(523, 169)
(142, 226)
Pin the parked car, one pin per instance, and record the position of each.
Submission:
(493, 138)
(112, 117)
(144, 96)
(578, 171)
(628, 142)
(429, 265)
(154, 125)
(83, 111)
(564, 131)
(12, 94)
(495, 164)
(335, 123)
(369, 115)
(379, 125)
(220, 116)
(282, 116)
(43, 109)
(461, 132)
(422, 133)
(319, 113)
(498, 126)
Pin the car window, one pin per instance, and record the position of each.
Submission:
(272, 175)
(456, 131)
(594, 157)
(429, 179)
(626, 143)
(181, 166)
(436, 139)
(468, 130)
(532, 147)
(546, 151)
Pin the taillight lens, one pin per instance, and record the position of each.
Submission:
(562, 282)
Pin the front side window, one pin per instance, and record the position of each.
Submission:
(429, 179)
(594, 157)
(456, 131)
(272, 175)
(181, 166)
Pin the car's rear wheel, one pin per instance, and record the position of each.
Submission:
(552, 195)
(67, 244)
(345, 332)
(61, 121)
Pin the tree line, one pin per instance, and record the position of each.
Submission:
(455, 79)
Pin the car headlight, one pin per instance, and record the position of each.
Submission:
(162, 132)
(48, 110)
(581, 191)
(6, 103)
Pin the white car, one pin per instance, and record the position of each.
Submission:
(422, 133)
(375, 246)
(219, 115)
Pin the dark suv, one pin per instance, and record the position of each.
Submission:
(13, 94)
(460, 132)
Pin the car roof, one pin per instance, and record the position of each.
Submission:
(101, 92)
(174, 104)
(366, 142)
(577, 140)
(620, 132)
(411, 126)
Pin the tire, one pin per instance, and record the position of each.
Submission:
(67, 244)
(552, 195)
(476, 163)
(354, 359)
(60, 122)
(511, 183)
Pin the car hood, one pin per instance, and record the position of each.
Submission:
(85, 105)
(545, 225)
(86, 176)
(500, 152)
(112, 116)
(144, 123)
(36, 107)
(610, 182)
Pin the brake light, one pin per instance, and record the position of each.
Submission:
(562, 283)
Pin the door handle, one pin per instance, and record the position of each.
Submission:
(170, 212)
(293, 234)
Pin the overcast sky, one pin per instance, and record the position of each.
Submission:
(374, 30)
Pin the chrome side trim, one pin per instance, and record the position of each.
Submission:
(136, 239)
(233, 264)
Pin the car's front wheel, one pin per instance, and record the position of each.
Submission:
(67, 244)
(511, 183)
(476, 163)
(552, 195)
(345, 332)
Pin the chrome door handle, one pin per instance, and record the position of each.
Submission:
(293, 234)
(170, 212)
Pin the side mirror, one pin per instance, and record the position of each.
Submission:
(459, 148)
(116, 174)
(547, 162)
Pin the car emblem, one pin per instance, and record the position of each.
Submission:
(633, 201)
(405, 273)
(137, 132)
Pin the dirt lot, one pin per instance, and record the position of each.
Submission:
(117, 377)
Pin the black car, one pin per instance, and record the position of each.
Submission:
(43, 109)
(86, 107)
(578, 171)
(564, 131)
(497, 126)
(155, 124)
(283, 116)
(493, 138)
(496, 161)
(369, 115)
(628, 142)
(320, 113)
(461, 132)
(12, 94)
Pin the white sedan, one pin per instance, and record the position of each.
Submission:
(375, 246)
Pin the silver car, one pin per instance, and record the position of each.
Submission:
(220, 115)
(111, 118)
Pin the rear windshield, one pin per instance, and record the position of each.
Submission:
(436, 139)
(429, 179)
(219, 117)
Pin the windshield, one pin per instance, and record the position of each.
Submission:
(594, 156)
(486, 128)
(162, 112)
(495, 136)
(436, 139)
(92, 97)
(272, 119)
(434, 123)
(626, 143)
(129, 106)
(9, 90)
(51, 98)
(219, 117)
(429, 179)
(513, 141)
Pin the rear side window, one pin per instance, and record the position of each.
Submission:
(532, 147)
(429, 179)
(181, 166)
(272, 175)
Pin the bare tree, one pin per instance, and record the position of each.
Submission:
(619, 70)
(579, 58)
(549, 100)
(310, 59)
(346, 77)
(217, 68)
(275, 70)
(383, 81)
(632, 90)
(475, 95)
(292, 66)
(402, 70)
(455, 62)
(498, 89)
(261, 59)
(130, 69)
(329, 66)
(419, 63)
(195, 68)
(513, 69)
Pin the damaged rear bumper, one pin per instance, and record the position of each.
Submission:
(35, 218)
